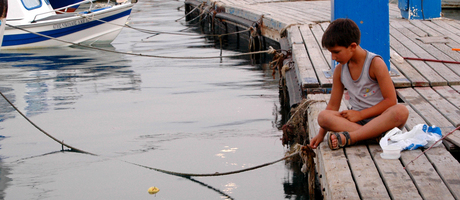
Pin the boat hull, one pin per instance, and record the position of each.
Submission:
(73, 29)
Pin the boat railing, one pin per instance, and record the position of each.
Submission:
(71, 5)
(66, 7)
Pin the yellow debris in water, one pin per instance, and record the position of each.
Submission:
(153, 190)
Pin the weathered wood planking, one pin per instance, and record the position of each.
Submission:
(442, 105)
(399, 80)
(397, 181)
(316, 56)
(294, 35)
(305, 71)
(449, 94)
(429, 113)
(428, 51)
(318, 31)
(334, 172)
(364, 171)
(395, 177)
(456, 87)
(444, 163)
(424, 70)
(426, 179)
(417, 52)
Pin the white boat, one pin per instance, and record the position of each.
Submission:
(3, 12)
(58, 4)
(34, 24)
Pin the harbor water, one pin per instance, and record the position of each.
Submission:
(182, 115)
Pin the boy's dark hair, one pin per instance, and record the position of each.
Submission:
(341, 32)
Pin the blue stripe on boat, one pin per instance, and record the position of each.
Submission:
(28, 38)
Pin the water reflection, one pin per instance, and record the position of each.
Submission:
(182, 115)
(4, 180)
(4, 171)
(51, 78)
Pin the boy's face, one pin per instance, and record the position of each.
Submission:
(342, 54)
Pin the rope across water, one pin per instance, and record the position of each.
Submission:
(144, 166)
(270, 51)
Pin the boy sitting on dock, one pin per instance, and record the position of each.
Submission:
(372, 94)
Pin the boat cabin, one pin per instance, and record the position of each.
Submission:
(27, 11)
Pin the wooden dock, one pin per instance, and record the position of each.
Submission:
(424, 69)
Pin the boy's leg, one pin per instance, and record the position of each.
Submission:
(395, 116)
(332, 121)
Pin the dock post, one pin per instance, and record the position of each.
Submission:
(419, 9)
(373, 19)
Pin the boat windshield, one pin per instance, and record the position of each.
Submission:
(31, 4)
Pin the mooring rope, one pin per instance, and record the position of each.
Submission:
(196, 7)
(217, 173)
(160, 32)
(144, 166)
(270, 50)
(44, 132)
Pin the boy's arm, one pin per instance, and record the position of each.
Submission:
(379, 71)
(334, 104)
(337, 90)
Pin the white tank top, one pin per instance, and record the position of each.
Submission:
(364, 92)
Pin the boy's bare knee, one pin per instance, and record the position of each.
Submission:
(323, 119)
(401, 113)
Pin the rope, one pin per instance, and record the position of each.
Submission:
(196, 7)
(147, 167)
(160, 32)
(143, 55)
(44, 132)
(217, 173)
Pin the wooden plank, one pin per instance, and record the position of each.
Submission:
(316, 56)
(428, 51)
(449, 94)
(449, 111)
(318, 31)
(427, 180)
(456, 87)
(444, 163)
(364, 171)
(399, 80)
(435, 30)
(419, 52)
(448, 167)
(430, 114)
(424, 70)
(305, 72)
(407, 70)
(294, 36)
(335, 175)
(395, 177)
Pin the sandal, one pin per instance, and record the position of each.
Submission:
(339, 139)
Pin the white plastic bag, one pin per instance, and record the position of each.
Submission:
(421, 135)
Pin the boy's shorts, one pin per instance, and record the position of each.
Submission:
(365, 121)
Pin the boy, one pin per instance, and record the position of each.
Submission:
(372, 94)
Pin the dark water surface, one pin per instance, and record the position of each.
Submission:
(194, 116)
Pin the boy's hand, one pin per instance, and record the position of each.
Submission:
(315, 141)
(352, 115)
